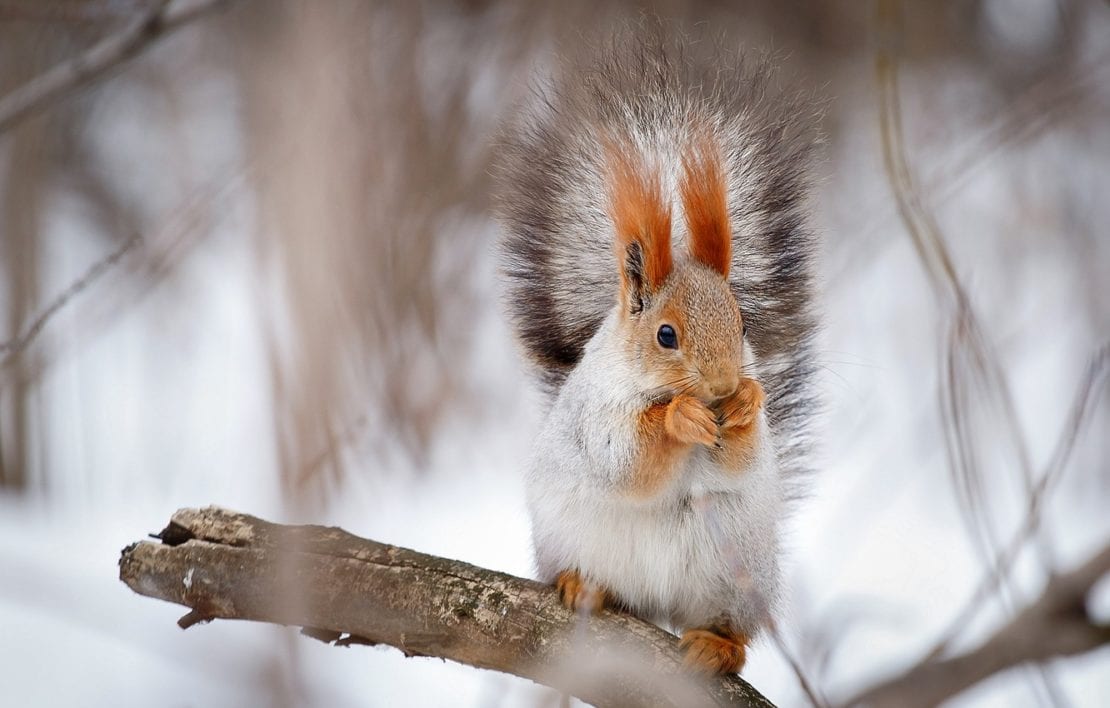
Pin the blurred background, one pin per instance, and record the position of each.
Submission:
(252, 266)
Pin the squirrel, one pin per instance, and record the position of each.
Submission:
(657, 270)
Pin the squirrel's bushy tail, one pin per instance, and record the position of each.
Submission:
(656, 90)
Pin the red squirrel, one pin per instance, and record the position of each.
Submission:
(657, 268)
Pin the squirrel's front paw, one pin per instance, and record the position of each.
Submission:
(740, 409)
(579, 595)
(690, 421)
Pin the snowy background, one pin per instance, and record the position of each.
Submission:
(301, 322)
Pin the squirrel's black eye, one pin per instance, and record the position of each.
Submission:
(667, 337)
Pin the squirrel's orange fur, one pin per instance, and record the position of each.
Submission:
(577, 594)
(738, 413)
(658, 477)
(669, 431)
(640, 214)
(714, 649)
(705, 201)
(719, 410)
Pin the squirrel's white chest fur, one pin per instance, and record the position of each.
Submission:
(703, 550)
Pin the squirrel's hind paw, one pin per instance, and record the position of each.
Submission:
(714, 650)
(578, 594)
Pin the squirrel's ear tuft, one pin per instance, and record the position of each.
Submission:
(642, 220)
(705, 201)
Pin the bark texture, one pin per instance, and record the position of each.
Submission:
(346, 589)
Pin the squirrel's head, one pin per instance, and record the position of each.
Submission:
(679, 317)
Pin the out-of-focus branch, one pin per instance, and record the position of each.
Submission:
(970, 367)
(67, 11)
(16, 345)
(342, 588)
(1084, 401)
(812, 694)
(160, 20)
(1057, 624)
(968, 352)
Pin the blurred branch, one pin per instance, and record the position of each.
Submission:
(17, 344)
(73, 11)
(923, 231)
(1055, 97)
(970, 359)
(178, 231)
(1081, 410)
(808, 688)
(158, 21)
(968, 346)
(1060, 95)
(1056, 625)
(349, 590)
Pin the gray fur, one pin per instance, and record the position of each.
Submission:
(652, 87)
(705, 548)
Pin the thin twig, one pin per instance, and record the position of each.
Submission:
(1057, 624)
(1050, 99)
(811, 692)
(932, 251)
(15, 346)
(177, 232)
(969, 342)
(160, 20)
(1076, 422)
(1037, 109)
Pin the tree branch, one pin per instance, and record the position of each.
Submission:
(1057, 624)
(158, 21)
(341, 588)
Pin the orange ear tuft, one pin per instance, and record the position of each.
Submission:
(705, 201)
(642, 218)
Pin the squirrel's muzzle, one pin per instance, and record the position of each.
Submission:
(723, 386)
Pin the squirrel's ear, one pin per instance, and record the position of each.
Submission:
(634, 289)
(643, 227)
(705, 202)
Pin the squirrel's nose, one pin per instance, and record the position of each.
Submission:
(724, 386)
